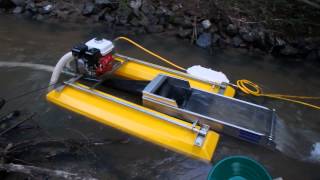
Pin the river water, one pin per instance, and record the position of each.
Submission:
(40, 43)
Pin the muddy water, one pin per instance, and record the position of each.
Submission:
(28, 41)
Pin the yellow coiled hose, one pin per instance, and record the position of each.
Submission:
(244, 85)
(249, 87)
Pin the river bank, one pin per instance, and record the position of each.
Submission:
(292, 34)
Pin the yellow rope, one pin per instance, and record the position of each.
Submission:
(249, 87)
(244, 85)
(150, 52)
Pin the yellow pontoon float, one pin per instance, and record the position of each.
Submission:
(177, 111)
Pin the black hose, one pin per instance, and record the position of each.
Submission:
(130, 86)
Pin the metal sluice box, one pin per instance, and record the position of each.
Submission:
(241, 119)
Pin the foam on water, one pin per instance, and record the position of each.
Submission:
(298, 144)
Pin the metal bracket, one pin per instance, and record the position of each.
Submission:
(107, 75)
(70, 81)
(222, 87)
(201, 135)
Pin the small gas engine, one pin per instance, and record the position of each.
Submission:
(94, 58)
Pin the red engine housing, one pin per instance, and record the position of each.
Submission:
(105, 64)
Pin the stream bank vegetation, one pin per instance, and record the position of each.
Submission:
(286, 28)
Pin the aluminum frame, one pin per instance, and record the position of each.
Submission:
(156, 102)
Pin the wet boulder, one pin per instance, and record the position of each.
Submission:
(141, 21)
(204, 40)
(184, 33)
(135, 4)
(248, 35)
(232, 30)
(176, 7)
(278, 45)
(163, 11)
(134, 21)
(147, 8)
(88, 8)
(206, 24)
(46, 9)
(122, 16)
(278, 42)
(109, 18)
(31, 7)
(261, 41)
(17, 10)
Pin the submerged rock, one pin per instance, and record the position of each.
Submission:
(204, 40)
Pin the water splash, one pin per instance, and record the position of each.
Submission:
(297, 143)
(42, 67)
